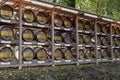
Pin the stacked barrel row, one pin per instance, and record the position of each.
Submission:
(64, 37)
(116, 42)
(103, 41)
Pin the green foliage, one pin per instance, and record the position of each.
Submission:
(70, 3)
(108, 8)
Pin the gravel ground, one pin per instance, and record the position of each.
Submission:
(102, 71)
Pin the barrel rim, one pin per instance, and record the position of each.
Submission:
(23, 49)
(91, 50)
(35, 35)
(83, 53)
(81, 21)
(60, 17)
(69, 19)
(58, 35)
(65, 49)
(87, 23)
(36, 49)
(9, 18)
(61, 53)
(10, 27)
(11, 52)
(45, 15)
(32, 34)
(64, 38)
(32, 14)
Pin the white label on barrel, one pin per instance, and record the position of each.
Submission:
(40, 25)
(117, 47)
(104, 59)
(67, 60)
(79, 30)
(41, 43)
(57, 27)
(80, 60)
(67, 44)
(41, 62)
(28, 24)
(117, 35)
(57, 61)
(27, 43)
(103, 34)
(88, 60)
(114, 59)
(5, 63)
(98, 59)
(98, 33)
(27, 62)
(80, 45)
(3, 20)
(98, 46)
(104, 46)
(5, 41)
(118, 59)
(57, 44)
(87, 32)
(87, 45)
(113, 47)
(67, 29)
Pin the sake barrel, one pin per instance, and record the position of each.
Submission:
(67, 38)
(58, 20)
(27, 54)
(87, 26)
(117, 31)
(6, 12)
(58, 54)
(98, 27)
(42, 18)
(99, 53)
(80, 25)
(6, 54)
(28, 35)
(40, 36)
(113, 30)
(28, 16)
(88, 53)
(40, 53)
(6, 33)
(93, 40)
(67, 53)
(80, 39)
(57, 37)
(116, 41)
(87, 39)
(98, 40)
(116, 52)
(104, 29)
(80, 53)
(104, 53)
(67, 22)
(103, 41)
